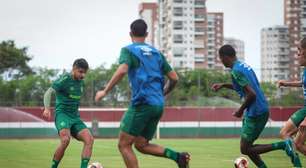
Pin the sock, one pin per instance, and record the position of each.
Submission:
(278, 145)
(263, 165)
(84, 162)
(171, 154)
(54, 163)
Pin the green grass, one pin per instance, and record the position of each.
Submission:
(210, 153)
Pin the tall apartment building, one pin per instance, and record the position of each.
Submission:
(214, 40)
(295, 19)
(188, 35)
(148, 12)
(275, 51)
(238, 45)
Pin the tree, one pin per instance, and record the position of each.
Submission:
(269, 89)
(14, 60)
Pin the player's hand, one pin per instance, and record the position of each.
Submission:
(237, 114)
(47, 114)
(216, 86)
(280, 83)
(302, 126)
(99, 95)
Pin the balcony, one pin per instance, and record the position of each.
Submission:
(199, 17)
(199, 4)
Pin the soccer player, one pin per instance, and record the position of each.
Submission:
(254, 109)
(301, 137)
(291, 127)
(68, 89)
(146, 68)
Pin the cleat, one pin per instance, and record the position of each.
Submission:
(183, 160)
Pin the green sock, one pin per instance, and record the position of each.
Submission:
(54, 163)
(263, 165)
(278, 145)
(84, 162)
(171, 154)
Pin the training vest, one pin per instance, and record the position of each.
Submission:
(260, 105)
(147, 80)
(304, 85)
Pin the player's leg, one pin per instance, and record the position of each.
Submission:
(82, 133)
(125, 147)
(288, 130)
(291, 126)
(143, 145)
(246, 149)
(64, 135)
(300, 142)
(62, 123)
(131, 125)
(251, 129)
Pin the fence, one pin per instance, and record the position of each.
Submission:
(177, 122)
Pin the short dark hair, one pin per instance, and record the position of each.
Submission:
(303, 43)
(139, 28)
(81, 63)
(227, 50)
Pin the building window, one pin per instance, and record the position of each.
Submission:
(177, 55)
(199, 2)
(178, 1)
(199, 16)
(199, 29)
(178, 38)
(178, 25)
(178, 11)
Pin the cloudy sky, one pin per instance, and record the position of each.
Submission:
(59, 31)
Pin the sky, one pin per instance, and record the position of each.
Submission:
(57, 32)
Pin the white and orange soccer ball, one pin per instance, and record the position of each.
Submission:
(241, 162)
(95, 165)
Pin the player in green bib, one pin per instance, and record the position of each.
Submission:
(254, 109)
(68, 89)
(296, 124)
(146, 68)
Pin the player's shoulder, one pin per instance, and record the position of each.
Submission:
(237, 71)
(64, 77)
(125, 52)
(241, 67)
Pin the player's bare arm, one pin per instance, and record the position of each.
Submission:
(119, 74)
(250, 96)
(173, 79)
(217, 86)
(302, 126)
(283, 83)
(47, 103)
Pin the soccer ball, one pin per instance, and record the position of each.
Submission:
(241, 162)
(95, 165)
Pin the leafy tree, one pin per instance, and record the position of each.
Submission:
(14, 60)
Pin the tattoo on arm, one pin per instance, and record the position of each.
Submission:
(47, 97)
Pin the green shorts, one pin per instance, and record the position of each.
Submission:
(141, 120)
(298, 116)
(253, 126)
(75, 125)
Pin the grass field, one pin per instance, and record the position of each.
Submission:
(210, 153)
